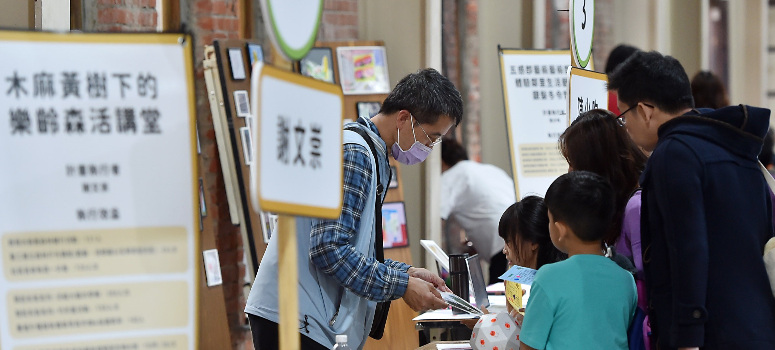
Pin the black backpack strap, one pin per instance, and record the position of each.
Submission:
(383, 308)
(378, 249)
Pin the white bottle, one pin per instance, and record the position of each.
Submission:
(341, 342)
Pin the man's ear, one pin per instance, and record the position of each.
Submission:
(648, 112)
(402, 117)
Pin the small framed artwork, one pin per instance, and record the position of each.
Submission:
(255, 53)
(394, 225)
(212, 267)
(247, 144)
(237, 64)
(241, 103)
(268, 224)
(318, 64)
(363, 70)
(367, 109)
(393, 177)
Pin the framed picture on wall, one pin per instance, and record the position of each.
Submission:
(268, 224)
(237, 63)
(367, 109)
(363, 70)
(241, 103)
(247, 144)
(255, 53)
(318, 64)
(394, 225)
(394, 177)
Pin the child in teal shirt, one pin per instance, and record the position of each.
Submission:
(586, 301)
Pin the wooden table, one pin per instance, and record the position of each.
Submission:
(432, 346)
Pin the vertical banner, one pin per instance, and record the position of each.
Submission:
(588, 90)
(535, 91)
(98, 198)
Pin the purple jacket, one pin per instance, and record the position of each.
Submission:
(629, 240)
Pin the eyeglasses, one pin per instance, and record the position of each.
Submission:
(433, 142)
(620, 118)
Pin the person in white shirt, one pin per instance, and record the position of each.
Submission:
(476, 195)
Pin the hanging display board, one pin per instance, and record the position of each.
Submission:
(298, 149)
(99, 198)
(535, 89)
(587, 91)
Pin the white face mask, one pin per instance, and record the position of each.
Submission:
(417, 153)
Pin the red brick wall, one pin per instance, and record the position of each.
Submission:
(125, 15)
(340, 20)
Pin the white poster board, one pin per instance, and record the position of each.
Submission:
(298, 144)
(535, 88)
(98, 192)
(588, 90)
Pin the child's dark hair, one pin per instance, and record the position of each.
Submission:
(584, 201)
(529, 220)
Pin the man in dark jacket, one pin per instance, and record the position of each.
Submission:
(706, 213)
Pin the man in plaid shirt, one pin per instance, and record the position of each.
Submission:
(343, 279)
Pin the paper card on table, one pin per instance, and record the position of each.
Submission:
(519, 274)
(514, 294)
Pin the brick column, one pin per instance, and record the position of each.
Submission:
(470, 76)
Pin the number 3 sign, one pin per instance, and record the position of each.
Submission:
(581, 31)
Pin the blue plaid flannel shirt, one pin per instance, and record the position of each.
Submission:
(330, 248)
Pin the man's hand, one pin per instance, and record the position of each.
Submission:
(429, 277)
(421, 296)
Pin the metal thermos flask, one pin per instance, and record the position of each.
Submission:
(458, 273)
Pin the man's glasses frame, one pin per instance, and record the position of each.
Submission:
(620, 118)
(433, 142)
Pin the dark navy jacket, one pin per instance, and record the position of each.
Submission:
(706, 215)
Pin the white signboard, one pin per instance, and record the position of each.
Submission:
(292, 25)
(582, 27)
(98, 193)
(535, 88)
(298, 144)
(587, 91)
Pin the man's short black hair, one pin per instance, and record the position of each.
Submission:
(427, 95)
(584, 201)
(618, 55)
(452, 152)
(652, 78)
